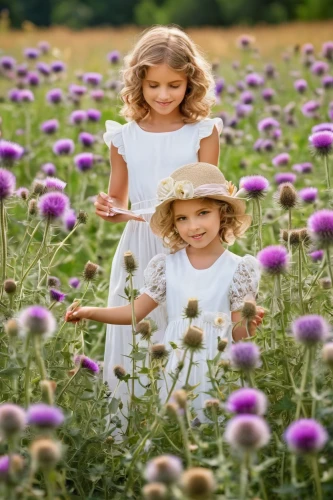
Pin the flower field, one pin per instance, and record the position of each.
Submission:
(267, 431)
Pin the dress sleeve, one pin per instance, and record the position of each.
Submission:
(206, 128)
(245, 282)
(114, 135)
(154, 279)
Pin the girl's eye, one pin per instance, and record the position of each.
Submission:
(153, 86)
(181, 218)
(204, 212)
(175, 86)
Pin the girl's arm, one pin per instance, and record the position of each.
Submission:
(209, 151)
(122, 315)
(239, 332)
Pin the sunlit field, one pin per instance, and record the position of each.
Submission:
(268, 430)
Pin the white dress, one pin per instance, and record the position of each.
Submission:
(150, 157)
(220, 289)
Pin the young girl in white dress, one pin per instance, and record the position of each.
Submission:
(198, 211)
(167, 98)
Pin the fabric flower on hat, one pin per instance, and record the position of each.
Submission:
(184, 190)
(232, 190)
(165, 188)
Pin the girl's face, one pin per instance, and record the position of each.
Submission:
(197, 221)
(164, 88)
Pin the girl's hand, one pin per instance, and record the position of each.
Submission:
(75, 313)
(103, 208)
(252, 326)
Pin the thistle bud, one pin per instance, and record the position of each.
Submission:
(327, 354)
(109, 440)
(212, 403)
(191, 311)
(224, 364)
(198, 483)
(155, 491)
(119, 371)
(249, 310)
(144, 329)
(158, 351)
(33, 207)
(12, 328)
(82, 217)
(325, 283)
(222, 344)
(287, 196)
(9, 286)
(180, 397)
(38, 188)
(172, 409)
(130, 262)
(46, 453)
(48, 388)
(193, 338)
(90, 271)
(53, 281)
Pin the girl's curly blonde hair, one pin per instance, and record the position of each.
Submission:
(230, 225)
(170, 45)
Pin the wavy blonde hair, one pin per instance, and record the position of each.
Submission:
(230, 224)
(170, 45)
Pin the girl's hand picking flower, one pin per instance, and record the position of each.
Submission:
(256, 321)
(74, 313)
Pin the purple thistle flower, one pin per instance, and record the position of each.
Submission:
(258, 145)
(327, 82)
(310, 108)
(319, 68)
(113, 57)
(249, 401)
(7, 63)
(33, 79)
(7, 184)
(310, 329)
(301, 85)
(327, 50)
(54, 96)
(31, 53)
(245, 356)
(37, 320)
(10, 152)
(43, 68)
(247, 97)
(84, 161)
(305, 436)
(87, 363)
(219, 86)
(54, 184)
(320, 226)
(283, 177)
(255, 186)
(14, 95)
(12, 419)
(4, 467)
(77, 90)
(78, 116)
(86, 139)
(317, 255)
(164, 469)
(241, 85)
(74, 282)
(53, 205)
(268, 94)
(281, 160)
(94, 115)
(26, 95)
(267, 145)
(97, 95)
(243, 110)
(267, 124)
(308, 49)
(44, 416)
(322, 142)
(270, 70)
(322, 127)
(273, 259)
(245, 41)
(306, 167)
(70, 219)
(63, 147)
(50, 126)
(58, 66)
(49, 169)
(23, 193)
(93, 79)
(308, 194)
(276, 134)
(22, 70)
(254, 80)
(56, 295)
(247, 432)
(44, 46)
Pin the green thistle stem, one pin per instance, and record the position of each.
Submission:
(176, 378)
(39, 358)
(328, 182)
(328, 258)
(185, 440)
(303, 382)
(3, 244)
(41, 248)
(300, 290)
(244, 477)
(189, 369)
(28, 246)
(259, 223)
(315, 469)
(133, 336)
(66, 385)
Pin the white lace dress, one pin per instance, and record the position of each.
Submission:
(220, 289)
(150, 157)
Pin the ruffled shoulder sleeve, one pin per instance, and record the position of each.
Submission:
(245, 282)
(206, 128)
(154, 279)
(114, 135)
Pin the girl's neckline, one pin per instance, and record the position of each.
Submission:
(206, 268)
(156, 133)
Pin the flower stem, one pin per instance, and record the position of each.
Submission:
(328, 258)
(133, 337)
(314, 464)
(328, 182)
(259, 223)
(176, 378)
(67, 384)
(41, 248)
(300, 290)
(189, 369)
(39, 358)
(4, 245)
(244, 477)
(303, 382)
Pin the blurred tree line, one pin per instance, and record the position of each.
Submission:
(80, 13)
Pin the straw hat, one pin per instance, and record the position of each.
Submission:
(190, 182)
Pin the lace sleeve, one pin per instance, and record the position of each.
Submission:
(154, 279)
(206, 128)
(245, 282)
(114, 135)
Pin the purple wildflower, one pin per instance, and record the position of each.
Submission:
(283, 177)
(54, 96)
(74, 282)
(77, 90)
(43, 68)
(320, 226)
(301, 85)
(97, 95)
(14, 95)
(273, 259)
(319, 68)
(241, 86)
(10, 152)
(258, 145)
(268, 94)
(78, 116)
(53, 205)
(164, 469)
(219, 86)
(249, 401)
(308, 49)
(306, 168)
(310, 108)
(270, 70)
(94, 115)
(50, 126)
(7, 184)
(327, 50)
(247, 97)
(58, 66)
(63, 147)
(70, 219)
(245, 356)
(54, 184)
(44, 416)
(247, 432)
(37, 320)
(255, 186)
(322, 127)
(308, 194)
(267, 124)
(305, 436)
(7, 63)
(44, 46)
(23, 193)
(86, 139)
(245, 41)
(254, 80)
(114, 57)
(31, 53)
(12, 419)
(267, 145)
(317, 255)
(327, 82)
(281, 160)
(276, 134)
(49, 169)
(322, 142)
(33, 79)
(26, 95)
(22, 70)
(243, 110)
(87, 363)
(56, 295)
(310, 329)
(84, 161)
(93, 79)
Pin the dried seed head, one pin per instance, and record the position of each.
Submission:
(172, 409)
(12, 328)
(212, 403)
(109, 440)
(82, 217)
(193, 338)
(249, 310)
(191, 311)
(38, 188)
(9, 286)
(296, 236)
(33, 207)
(119, 372)
(144, 329)
(198, 483)
(222, 344)
(180, 397)
(53, 281)
(164, 469)
(46, 453)
(327, 354)
(48, 388)
(130, 263)
(325, 283)
(155, 491)
(90, 271)
(159, 351)
(287, 196)
(225, 364)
